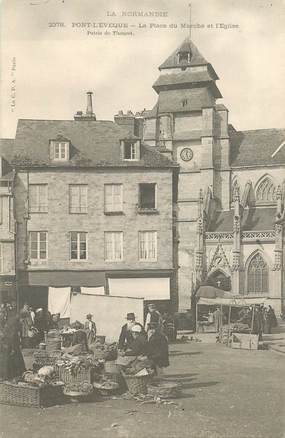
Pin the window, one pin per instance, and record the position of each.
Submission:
(38, 200)
(78, 198)
(78, 245)
(147, 196)
(60, 150)
(148, 245)
(257, 276)
(113, 195)
(38, 245)
(113, 246)
(266, 191)
(131, 150)
(184, 57)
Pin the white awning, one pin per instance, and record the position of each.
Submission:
(93, 290)
(147, 288)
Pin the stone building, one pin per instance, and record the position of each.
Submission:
(94, 208)
(231, 184)
(7, 225)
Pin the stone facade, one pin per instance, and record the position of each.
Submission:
(229, 211)
(7, 233)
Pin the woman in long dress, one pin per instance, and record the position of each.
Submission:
(157, 348)
(12, 363)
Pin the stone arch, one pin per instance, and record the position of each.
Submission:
(265, 190)
(219, 278)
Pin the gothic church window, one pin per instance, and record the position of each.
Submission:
(257, 275)
(266, 191)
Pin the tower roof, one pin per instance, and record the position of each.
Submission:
(186, 47)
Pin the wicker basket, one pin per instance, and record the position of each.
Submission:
(42, 358)
(136, 384)
(82, 375)
(31, 396)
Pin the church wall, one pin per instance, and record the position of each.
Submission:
(254, 175)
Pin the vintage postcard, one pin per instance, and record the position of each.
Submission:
(142, 195)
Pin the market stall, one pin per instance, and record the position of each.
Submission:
(233, 329)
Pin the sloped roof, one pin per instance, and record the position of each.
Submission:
(182, 77)
(251, 148)
(253, 219)
(93, 144)
(194, 100)
(187, 45)
(6, 148)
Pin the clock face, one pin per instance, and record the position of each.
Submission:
(186, 154)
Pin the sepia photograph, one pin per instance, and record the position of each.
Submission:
(142, 212)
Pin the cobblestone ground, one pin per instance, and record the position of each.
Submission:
(226, 394)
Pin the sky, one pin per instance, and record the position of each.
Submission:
(52, 66)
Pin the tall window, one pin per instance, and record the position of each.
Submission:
(113, 194)
(38, 199)
(78, 245)
(78, 198)
(147, 196)
(38, 245)
(266, 191)
(148, 245)
(257, 275)
(113, 246)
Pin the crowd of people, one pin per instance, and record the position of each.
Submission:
(260, 318)
(147, 341)
(28, 328)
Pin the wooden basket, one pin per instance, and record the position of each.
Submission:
(83, 375)
(136, 384)
(31, 396)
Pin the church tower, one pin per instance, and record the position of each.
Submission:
(188, 125)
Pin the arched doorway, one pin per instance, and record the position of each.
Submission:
(220, 280)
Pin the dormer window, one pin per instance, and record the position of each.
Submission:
(184, 57)
(131, 150)
(61, 152)
(59, 149)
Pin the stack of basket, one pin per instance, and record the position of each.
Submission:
(42, 358)
(53, 340)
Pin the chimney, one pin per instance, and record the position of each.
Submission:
(89, 110)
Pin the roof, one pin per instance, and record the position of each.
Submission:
(93, 144)
(251, 148)
(194, 99)
(182, 77)
(6, 148)
(187, 45)
(150, 114)
(254, 219)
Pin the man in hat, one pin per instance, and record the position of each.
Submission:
(138, 345)
(90, 329)
(153, 316)
(126, 335)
